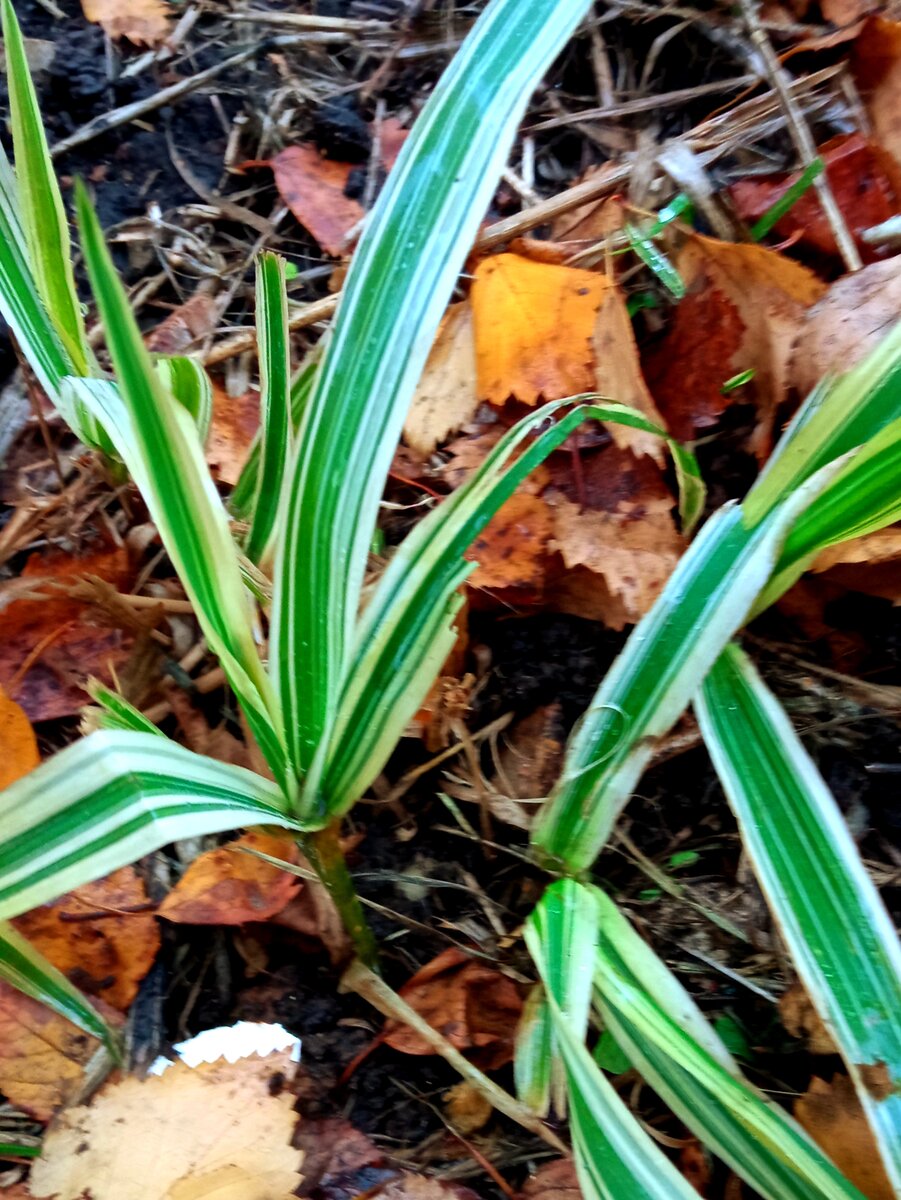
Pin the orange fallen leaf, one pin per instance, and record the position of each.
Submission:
(229, 887)
(847, 322)
(447, 395)
(801, 1019)
(51, 644)
(219, 1129)
(20, 746)
(863, 191)
(144, 22)
(98, 936)
(832, 1115)
(313, 189)
(534, 324)
(233, 427)
(42, 1055)
(876, 64)
(512, 550)
(474, 1006)
(743, 309)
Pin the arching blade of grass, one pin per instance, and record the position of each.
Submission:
(406, 631)
(275, 387)
(41, 211)
(114, 711)
(399, 283)
(667, 1039)
(159, 443)
(186, 380)
(838, 933)
(615, 1158)
(25, 969)
(706, 600)
(111, 798)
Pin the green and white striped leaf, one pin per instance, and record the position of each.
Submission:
(111, 798)
(398, 286)
(406, 631)
(706, 600)
(186, 380)
(275, 388)
(864, 497)
(159, 443)
(242, 498)
(615, 1158)
(837, 931)
(657, 1025)
(114, 711)
(41, 211)
(28, 971)
(537, 1067)
(839, 415)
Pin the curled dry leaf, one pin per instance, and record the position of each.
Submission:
(217, 1130)
(144, 22)
(473, 1005)
(860, 183)
(870, 564)
(467, 1109)
(100, 936)
(52, 643)
(42, 1055)
(229, 887)
(846, 323)
(185, 325)
(446, 397)
(832, 1115)
(743, 309)
(20, 746)
(534, 324)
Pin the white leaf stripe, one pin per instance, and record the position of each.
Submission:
(399, 282)
(111, 798)
(705, 601)
(22, 967)
(838, 933)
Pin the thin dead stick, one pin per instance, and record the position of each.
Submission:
(358, 978)
(801, 135)
(291, 20)
(139, 108)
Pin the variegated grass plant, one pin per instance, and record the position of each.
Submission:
(327, 697)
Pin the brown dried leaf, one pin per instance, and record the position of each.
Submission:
(876, 64)
(468, 1109)
(229, 887)
(313, 189)
(233, 427)
(832, 1115)
(512, 550)
(846, 323)
(42, 1055)
(802, 1020)
(185, 325)
(98, 936)
(51, 644)
(554, 1180)
(446, 397)
(143, 22)
(743, 309)
(474, 1006)
(223, 1132)
(534, 324)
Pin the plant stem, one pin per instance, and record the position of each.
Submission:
(358, 978)
(323, 849)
